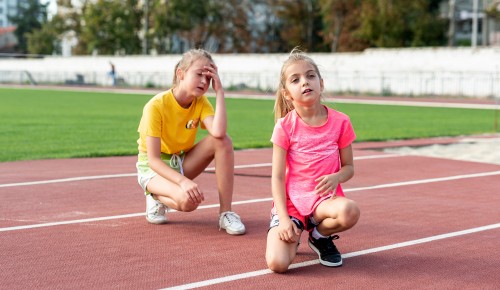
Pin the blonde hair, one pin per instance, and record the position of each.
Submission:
(282, 106)
(188, 58)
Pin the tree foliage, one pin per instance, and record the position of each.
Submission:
(30, 17)
(46, 40)
(392, 23)
(493, 10)
(238, 26)
(215, 25)
(341, 20)
(299, 24)
(112, 27)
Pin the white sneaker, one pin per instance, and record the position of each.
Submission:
(155, 210)
(231, 222)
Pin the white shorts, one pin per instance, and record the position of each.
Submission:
(145, 173)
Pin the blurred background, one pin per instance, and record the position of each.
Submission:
(382, 47)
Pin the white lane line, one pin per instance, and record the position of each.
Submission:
(90, 220)
(68, 179)
(257, 165)
(413, 182)
(379, 156)
(345, 256)
(421, 181)
(80, 178)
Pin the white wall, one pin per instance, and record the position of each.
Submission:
(441, 71)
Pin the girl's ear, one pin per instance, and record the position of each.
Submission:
(322, 85)
(286, 95)
(180, 73)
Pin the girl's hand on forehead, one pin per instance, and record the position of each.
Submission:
(211, 71)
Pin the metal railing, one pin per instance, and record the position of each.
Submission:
(478, 84)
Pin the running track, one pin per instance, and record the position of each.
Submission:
(426, 223)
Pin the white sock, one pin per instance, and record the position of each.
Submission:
(315, 234)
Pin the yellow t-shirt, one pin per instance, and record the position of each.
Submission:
(176, 126)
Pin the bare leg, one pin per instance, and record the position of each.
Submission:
(279, 254)
(170, 194)
(208, 149)
(336, 215)
(195, 162)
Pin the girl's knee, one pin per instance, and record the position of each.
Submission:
(350, 213)
(187, 205)
(277, 265)
(221, 144)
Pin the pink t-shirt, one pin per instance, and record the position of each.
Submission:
(311, 152)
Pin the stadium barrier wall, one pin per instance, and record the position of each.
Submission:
(411, 72)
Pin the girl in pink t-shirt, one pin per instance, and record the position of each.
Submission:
(312, 156)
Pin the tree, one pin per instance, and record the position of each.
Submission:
(493, 10)
(299, 24)
(111, 27)
(68, 22)
(176, 19)
(218, 26)
(239, 26)
(46, 40)
(30, 16)
(391, 23)
(340, 19)
(231, 28)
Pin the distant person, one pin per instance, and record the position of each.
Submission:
(112, 73)
(169, 159)
(312, 156)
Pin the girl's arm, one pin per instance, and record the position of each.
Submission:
(153, 145)
(216, 125)
(286, 227)
(330, 182)
(346, 172)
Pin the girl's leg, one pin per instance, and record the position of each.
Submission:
(336, 215)
(333, 215)
(195, 162)
(279, 254)
(170, 194)
(200, 156)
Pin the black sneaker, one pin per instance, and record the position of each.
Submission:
(325, 248)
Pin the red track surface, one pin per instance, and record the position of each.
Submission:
(91, 233)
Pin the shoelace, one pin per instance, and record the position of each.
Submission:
(176, 161)
(330, 246)
(231, 217)
(159, 209)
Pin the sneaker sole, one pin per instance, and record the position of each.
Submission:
(156, 222)
(322, 262)
(235, 233)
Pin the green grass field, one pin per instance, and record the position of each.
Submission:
(41, 124)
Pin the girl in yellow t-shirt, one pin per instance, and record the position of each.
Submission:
(169, 159)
